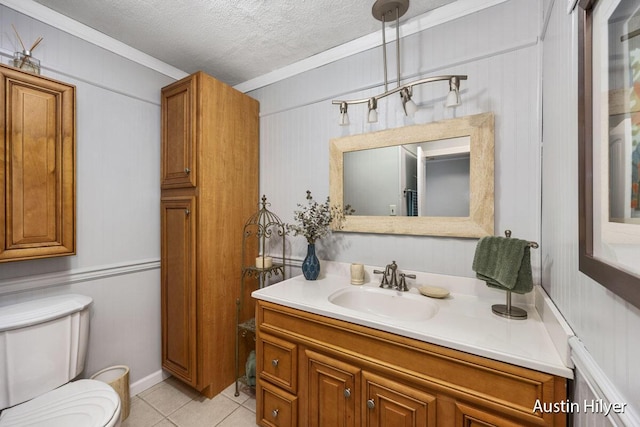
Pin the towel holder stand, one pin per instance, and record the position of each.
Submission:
(507, 310)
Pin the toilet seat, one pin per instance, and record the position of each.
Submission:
(88, 403)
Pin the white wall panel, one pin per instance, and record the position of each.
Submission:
(496, 47)
(607, 325)
(118, 169)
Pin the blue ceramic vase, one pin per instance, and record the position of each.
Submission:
(311, 264)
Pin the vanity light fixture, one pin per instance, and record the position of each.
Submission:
(382, 9)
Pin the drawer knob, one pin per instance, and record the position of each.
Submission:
(187, 171)
(274, 413)
(371, 404)
(275, 362)
(347, 392)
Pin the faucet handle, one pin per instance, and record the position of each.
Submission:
(402, 286)
(384, 282)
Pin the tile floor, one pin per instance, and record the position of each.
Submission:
(171, 403)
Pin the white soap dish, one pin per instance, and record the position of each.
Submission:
(433, 291)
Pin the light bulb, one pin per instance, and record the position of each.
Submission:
(408, 105)
(344, 117)
(372, 117)
(453, 98)
(410, 108)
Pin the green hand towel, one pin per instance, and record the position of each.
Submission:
(504, 263)
(250, 368)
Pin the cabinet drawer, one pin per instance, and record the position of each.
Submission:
(276, 408)
(278, 362)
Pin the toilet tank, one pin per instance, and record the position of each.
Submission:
(43, 345)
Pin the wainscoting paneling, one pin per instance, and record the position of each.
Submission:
(118, 197)
(606, 325)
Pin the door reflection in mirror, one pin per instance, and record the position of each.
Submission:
(420, 179)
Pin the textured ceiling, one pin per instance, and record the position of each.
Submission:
(233, 40)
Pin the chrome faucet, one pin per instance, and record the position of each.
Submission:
(390, 278)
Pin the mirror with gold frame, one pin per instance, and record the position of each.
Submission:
(452, 137)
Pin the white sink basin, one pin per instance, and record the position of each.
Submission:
(385, 302)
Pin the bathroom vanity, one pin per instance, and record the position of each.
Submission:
(321, 363)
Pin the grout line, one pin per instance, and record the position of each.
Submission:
(165, 417)
(230, 413)
(237, 404)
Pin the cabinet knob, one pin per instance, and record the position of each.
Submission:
(275, 362)
(347, 392)
(274, 413)
(187, 171)
(187, 212)
(371, 404)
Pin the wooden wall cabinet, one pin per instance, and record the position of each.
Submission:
(209, 186)
(37, 178)
(317, 371)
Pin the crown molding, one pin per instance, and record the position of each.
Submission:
(430, 19)
(75, 28)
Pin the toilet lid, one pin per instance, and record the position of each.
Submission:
(79, 403)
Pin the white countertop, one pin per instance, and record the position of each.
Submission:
(463, 321)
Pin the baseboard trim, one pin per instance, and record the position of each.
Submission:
(601, 386)
(147, 382)
(47, 280)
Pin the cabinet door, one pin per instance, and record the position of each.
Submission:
(37, 179)
(387, 403)
(179, 134)
(332, 392)
(470, 416)
(178, 287)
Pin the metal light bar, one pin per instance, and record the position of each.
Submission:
(381, 10)
(399, 88)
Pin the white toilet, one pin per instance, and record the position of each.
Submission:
(43, 344)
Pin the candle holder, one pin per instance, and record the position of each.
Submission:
(26, 62)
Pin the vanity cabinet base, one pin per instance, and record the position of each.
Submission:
(351, 375)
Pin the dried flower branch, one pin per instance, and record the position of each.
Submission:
(315, 219)
(27, 53)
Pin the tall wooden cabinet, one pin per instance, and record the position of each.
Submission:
(37, 177)
(209, 186)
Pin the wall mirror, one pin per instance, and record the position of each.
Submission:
(609, 144)
(434, 179)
